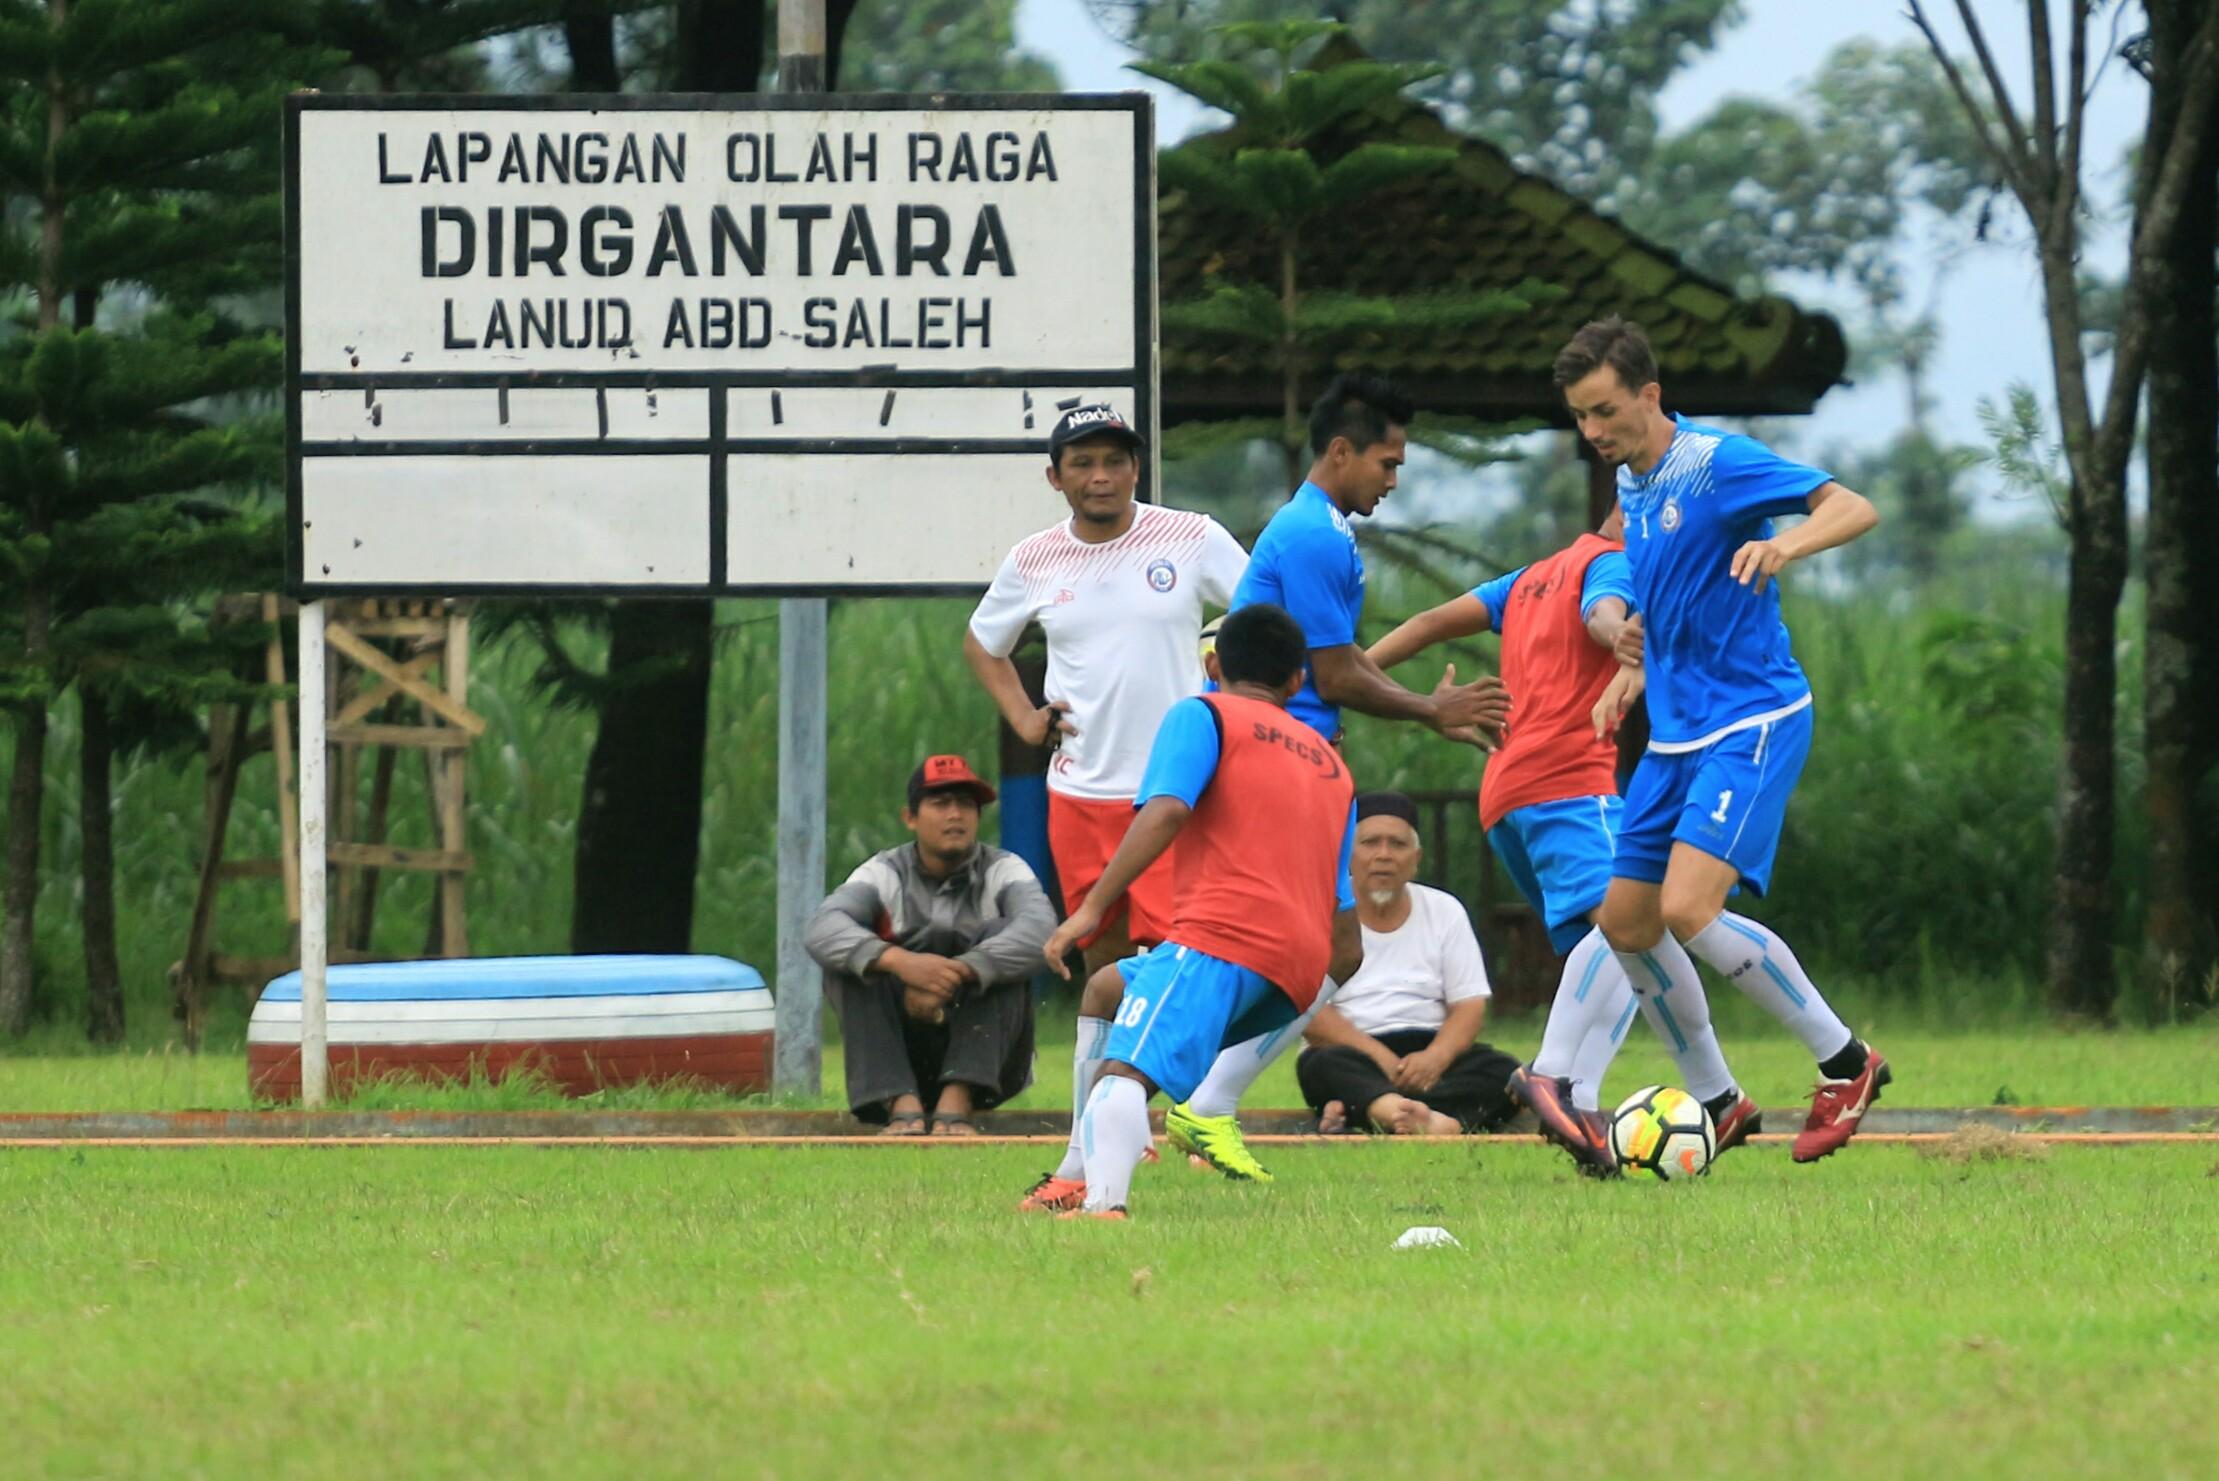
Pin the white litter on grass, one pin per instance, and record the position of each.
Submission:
(1428, 1237)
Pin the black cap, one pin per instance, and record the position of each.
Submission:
(1386, 805)
(1082, 422)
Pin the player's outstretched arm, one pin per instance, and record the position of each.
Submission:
(1838, 516)
(998, 677)
(1460, 618)
(1607, 619)
(1152, 831)
(1346, 676)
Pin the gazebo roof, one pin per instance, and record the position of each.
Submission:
(1484, 224)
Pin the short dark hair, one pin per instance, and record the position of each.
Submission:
(1261, 644)
(1615, 342)
(1359, 406)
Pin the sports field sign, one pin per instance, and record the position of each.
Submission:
(658, 345)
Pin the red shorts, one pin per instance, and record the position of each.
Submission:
(1082, 834)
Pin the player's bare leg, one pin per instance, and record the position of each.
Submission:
(1112, 946)
(1755, 959)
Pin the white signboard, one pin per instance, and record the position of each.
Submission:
(650, 345)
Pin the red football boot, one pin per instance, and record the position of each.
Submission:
(1053, 1195)
(1745, 1120)
(1838, 1108)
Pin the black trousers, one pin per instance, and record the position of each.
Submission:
(1475, 1088)
(986, 1044)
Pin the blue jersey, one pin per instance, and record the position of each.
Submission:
(1717, 655)
(1608, 575)
(1306, 561)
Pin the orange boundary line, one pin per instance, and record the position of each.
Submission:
(1882, 1138)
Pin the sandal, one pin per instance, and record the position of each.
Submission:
(954, 1126)
(904, 1123)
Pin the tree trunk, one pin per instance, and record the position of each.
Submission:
(103, 977)
(2181, 659)
(26, 798)
(27, 779)
(721, 45)
(639, 827)
(2081, 978)
(589, 33)
(639, 824)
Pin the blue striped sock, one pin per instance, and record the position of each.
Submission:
(1758, 962)
(1671, 995)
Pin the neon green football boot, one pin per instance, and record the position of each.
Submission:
(1216, 1140)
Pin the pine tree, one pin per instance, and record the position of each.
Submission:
(138, 161)
(1273, 166)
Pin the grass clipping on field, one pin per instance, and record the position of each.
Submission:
(1973, 1142)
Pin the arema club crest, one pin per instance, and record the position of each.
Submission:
(1162, 575)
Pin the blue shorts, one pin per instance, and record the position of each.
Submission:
(1559, 856)
(1727, 799)
(1181, 1007)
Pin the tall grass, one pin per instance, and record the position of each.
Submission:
(1917, 848)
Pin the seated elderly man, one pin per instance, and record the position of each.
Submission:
(928, 950)
(1395, 1048)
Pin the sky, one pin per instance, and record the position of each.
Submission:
(1987, 295)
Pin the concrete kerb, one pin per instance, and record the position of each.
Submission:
(2099, 1125)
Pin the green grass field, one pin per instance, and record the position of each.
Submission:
(1937, 1063)
(843, 1312)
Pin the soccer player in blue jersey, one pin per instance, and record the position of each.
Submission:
(1729, 711)
(1550, 808)
(1307, 563)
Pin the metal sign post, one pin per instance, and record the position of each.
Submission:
(315, 797)
(798, 1067)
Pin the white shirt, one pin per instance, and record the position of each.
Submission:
(1124, 626)
(1411, 975)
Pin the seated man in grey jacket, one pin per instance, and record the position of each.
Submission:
(928, 950)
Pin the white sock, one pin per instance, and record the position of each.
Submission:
(1114, 1133)
(1237, 1066)
(1758, 962)
(1671, 993)
(1593, 1005)
(1600, 1047)
(1086, 1064)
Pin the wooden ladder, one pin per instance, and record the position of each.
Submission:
(397, 680)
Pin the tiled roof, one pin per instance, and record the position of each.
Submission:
(1484, 224)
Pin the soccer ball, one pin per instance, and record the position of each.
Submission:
(1662, 1132)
